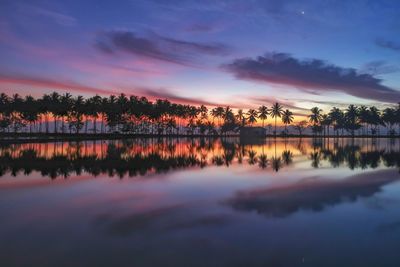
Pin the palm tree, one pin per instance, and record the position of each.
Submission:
(218, 112)
(251, 116)
(276, 112)
(203, 113)
(335, 115)
(64, 108)
(363, 114)
(326, 121)
(241, 117)
(287, 118)
(315, 118)
(5, 111)
(44, 109)
(351, 116)
(95, 110)
(30, 111)
(389, 118)
(54, 108)
(228, 114)
(398, 117)
(141, 116)
(263, 113)
(16, 110)
(374, 118)
(76, 114)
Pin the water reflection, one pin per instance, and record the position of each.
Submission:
(201, 202)
(310, 194)
(148, 156)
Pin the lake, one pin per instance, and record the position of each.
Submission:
(201, 202)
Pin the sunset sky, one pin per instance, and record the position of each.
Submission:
(239, 53)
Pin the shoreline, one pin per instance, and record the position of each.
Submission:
(43, 137)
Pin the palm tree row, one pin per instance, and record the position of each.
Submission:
(67, 114)
(137, 115)
(364, 120)
(138, 157)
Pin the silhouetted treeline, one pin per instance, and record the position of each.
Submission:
(137, 115)
(365, 120)
(144, 157)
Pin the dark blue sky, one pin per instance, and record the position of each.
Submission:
(242, 53)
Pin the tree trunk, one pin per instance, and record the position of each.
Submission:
(62, 124)
(47, 123)
(86, 124)
(55, 124)
(94, 125)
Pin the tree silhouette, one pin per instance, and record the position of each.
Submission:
(138, 115)
(251, 116)
(263, 113)
(287, 118)
(276, 112)
(315, 118)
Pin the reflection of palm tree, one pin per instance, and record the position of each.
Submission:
(315, 159)
(287, 157)
(262, 161)
(276, 163)
(217, 160)
(140, 156)
(252, 157)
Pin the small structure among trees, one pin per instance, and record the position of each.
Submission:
(252, 132)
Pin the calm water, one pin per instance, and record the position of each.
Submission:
(169, 202)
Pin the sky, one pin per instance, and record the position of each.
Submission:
(242, 53)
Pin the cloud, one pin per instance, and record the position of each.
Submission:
(157, 47)
(265, 100)
(312, 75)
(58, 17)
(200, 27)
(378, 67)
(160, 93)
(49, 83)
(388, 44)
(151, 93)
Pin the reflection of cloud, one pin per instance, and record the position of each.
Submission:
(307, 75)
(388, 227)
(310, 194)
(205, 221)
(170, 218)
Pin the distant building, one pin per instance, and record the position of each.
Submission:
(252, 132)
